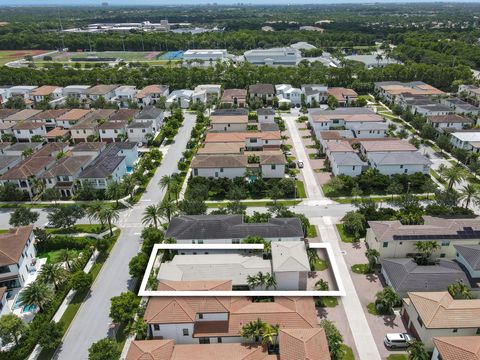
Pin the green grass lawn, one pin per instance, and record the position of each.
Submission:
(300, 189)
(327, 301)
(347, 353)
(343, 235)
(372, 309)
(80, 228)
(361, 269)
(397, 357)
(54, 256)
(312, 231)
(258, 203)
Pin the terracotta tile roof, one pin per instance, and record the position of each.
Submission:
(73, 115)
(49, 114)
(272, 158)
(57, 132)
(438, 310)
(101, 89)
(261, 89)
(386, 146)
(341, 93)
(219, 161)
(151, 89)
(12, 244)
(5, 113)
(458, 347)
(44, 90)
(23, 115)
(242, 136)
(33, 166)
(338, 146)
(89, 146)
(112, 125)
(67, 166)
(168, 350)
(331, 135)
(230, 94)
(303, 344)
(235, 119)
(221, 148)
(28, 125)
(167, 285)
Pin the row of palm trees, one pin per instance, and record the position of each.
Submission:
(104, 213)
(262, 280)
(260, 331)
(469, 193)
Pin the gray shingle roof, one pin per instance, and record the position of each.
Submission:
(471, 254)
(398, 158)
(105, 164)
(269, 127)
(149, 112)
(346, 159)
(406, 276)
(265, 111)
(231, 227)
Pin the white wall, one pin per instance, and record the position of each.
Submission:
(228, 241)
(401, 169)
(266, 119)
(28, 134)
(229, 127)
(269, 172)
(138, 135)
(229, 173)
(175, 332)
(287, 280)
(80, 135)
(370, 133)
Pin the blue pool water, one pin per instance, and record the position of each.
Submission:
(171, 55)
(17, 304)
(129, 169)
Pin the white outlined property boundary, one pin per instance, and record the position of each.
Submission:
(331, 258)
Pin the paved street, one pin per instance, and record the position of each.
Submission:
(92, 322)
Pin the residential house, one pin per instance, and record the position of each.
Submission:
(471, 91)
(234, 98)
(140, 131)
(469, 257)
(229, 123)
(52, 94)
(8, 161)
(468, 140)
(223, 166)
(430, 315)
(87, 128)
(389, 90)
(405, 275)
(285, 56)
(370, 130)
(344, 160)
(153, 114)
(21, 116)
(230, 148)
(272, 164)
(5, 113)
(212, 320)
(432, 109)
(17, 256)
(111, 164)
(123, 115)
(394, 240)
(65, 172)
(48, 117)
(125, 95)
(180, 97)
(343, 96)
(24, 131)
(18, 149)
(92, 149)
(101, 91)
(290, 265)
(204, 57)
(57, 134)
(451, 121)
(78, 92)
(292, 95)
(262, 92)
(151, 94)
(456, 348)
(212, 91)
(22, 91)
(112, 131)
(3, 301)
(230, 229)
(24, 174)
(461, 107)
(402, 162)
(386, 146)
(72, 117)
(315, 94)
(266, 115)
(253, 140)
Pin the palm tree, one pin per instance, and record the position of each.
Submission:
(387, 299)
(270, 334)
(113, 191)
(468, 193)
(108, 214)
(93, 210)
(372, 255)
(322, 285)
(426, 249)
(52, 274)
(270, 281)
(175, 188)
(66, 256)
(37, 185)
(167, 209)
(416, 351)
(253, 281)
(36, 293)
(453, 175)
(166, 182)
(460, 290)
(313, 258)
(129, 182)
(253, 330)
(151, 215)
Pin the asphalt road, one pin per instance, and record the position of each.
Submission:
(92, 321)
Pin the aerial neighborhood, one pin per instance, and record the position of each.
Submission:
(239, 181)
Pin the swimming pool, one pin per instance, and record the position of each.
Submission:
(171, 55)
(18, 304)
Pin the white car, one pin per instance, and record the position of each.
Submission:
(287, 153)
(397, 340)
(300, 164)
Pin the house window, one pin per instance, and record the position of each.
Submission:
(419, 319)
(4, 269)
(219, 340)
(401, 166)
(385, 244)
(185, 332)
(156, 327)
(221, 170)
(204, 340)
(445, 243)
(353, 167)
(274, 167)
(200, 241)
(235, 241)
(200, 316)
(195, 172)
(455, 330)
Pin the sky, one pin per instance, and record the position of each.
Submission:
(186, 2)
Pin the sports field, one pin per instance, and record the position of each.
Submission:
(11, 55)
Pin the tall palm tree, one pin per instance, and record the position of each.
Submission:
(453, 175)
(93, 210)
(37, 185)
(312, 258)
(387, 299)
(109, 215)
(270, 281)
(129, 182)
(166, 182)
(113, 191)
(426, 249)
(372, 255)
(460, 290)
(52, 274)
(416, 351)
(270, 334)
(252, 281)
(468, 193)
(151, 215)
(167, 209)
(66, 256)
(253, 330)
(36, 293)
